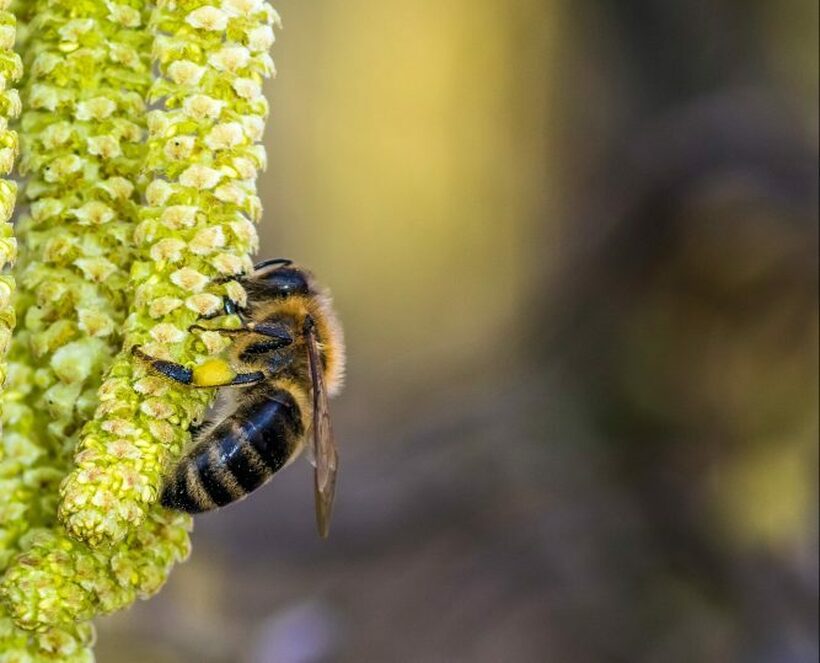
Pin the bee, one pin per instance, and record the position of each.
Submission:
(286, 359)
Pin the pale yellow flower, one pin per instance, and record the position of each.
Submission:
(208, 18)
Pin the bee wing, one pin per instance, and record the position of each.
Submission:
(324, 459)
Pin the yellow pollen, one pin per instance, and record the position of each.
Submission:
(213, 372)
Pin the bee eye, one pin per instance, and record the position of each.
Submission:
(286, 281)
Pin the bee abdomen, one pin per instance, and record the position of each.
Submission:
(237, 456)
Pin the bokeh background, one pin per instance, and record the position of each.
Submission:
(574, 246)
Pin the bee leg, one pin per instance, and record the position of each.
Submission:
(278, 332)
(196, 429)
(196, 378)
(236, 331)
(262, 348)
(239, 380)
(169, 369)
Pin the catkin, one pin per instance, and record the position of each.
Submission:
(196, 231)
(83, 145)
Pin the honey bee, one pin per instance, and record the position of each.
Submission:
(286, 359)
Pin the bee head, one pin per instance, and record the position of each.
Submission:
(281, 278)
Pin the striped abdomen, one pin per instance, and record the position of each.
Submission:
(238, 455)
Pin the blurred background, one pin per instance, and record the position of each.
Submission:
(574, 247)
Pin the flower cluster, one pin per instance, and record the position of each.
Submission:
(59, 581)
(83, 139)
(72, 644)
(193, 236)
(11, 70)
(57, 645)
(83, 146)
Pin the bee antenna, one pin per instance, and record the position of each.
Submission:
(284, 262)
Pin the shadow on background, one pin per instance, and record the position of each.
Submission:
(574, 246)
